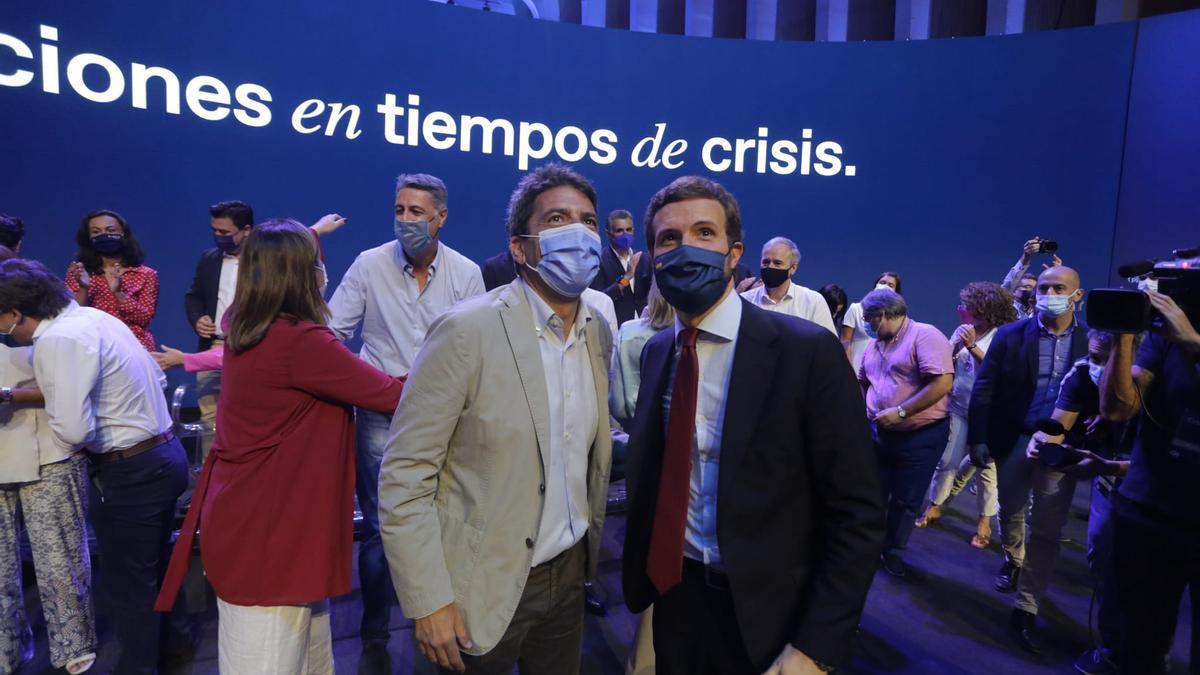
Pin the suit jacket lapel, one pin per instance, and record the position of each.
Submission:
(1031, 346)
(754, 360)
(648, 432)
(518, 326)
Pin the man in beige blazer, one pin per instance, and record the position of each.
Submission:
(494, 480)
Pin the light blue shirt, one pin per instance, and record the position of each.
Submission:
(1054, 360)
(381, 291)
(714, 352)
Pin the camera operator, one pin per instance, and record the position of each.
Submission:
(1156, 510)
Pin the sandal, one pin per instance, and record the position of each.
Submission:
(931, 516)
(80, 664)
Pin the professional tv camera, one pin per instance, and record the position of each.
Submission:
(1129, 311)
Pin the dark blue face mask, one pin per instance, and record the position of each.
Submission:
(225, 242)
(108, 243)
(690, 278)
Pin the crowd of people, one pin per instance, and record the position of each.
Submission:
(780, 444)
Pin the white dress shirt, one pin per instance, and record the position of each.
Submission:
(102, 388)
(797, 301)
(603, 305)
(714, 352)
(225, 290)
(625, 260)
(26, 441)
(381, 291)
(571, 391)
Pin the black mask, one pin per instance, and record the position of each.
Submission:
(773, 277)
(108, 244)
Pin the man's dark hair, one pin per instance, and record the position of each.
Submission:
(238, 211)
(695, 187)
(131, 256)
(1028, 275)
(534, 183)
(619, 214)
(31, 289)
(12, 230)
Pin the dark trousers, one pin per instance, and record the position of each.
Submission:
(695, 630)
(133, 511)
(545, 636)
(1154, 560)
(907, 460)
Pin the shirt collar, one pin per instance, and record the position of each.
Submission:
(627, 256)
(765, 298)
(402, 259)
(1042, 330)
(44, 324)
(722, 323)
(543, 315)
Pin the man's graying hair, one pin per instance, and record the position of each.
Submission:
(423, 181)
(884, 301)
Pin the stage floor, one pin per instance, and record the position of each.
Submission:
(943, 618)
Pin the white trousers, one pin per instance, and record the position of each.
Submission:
(271, 640)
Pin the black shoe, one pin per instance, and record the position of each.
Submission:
(893, 565)
(375, 659)
(176, 658)
(1096, 661)
(1024, 626)
(592, 602)
(1006, 578)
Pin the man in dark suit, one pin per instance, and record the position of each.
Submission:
(755, 521)
(211, 293)
(498, 270)
(624, 273)
(1016, 388)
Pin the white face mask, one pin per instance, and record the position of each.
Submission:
(1095, 370)
(880, 286)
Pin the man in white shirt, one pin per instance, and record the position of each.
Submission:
(776, 292)
(103, 395)
(396, 291)
(495, 478)
(211, 294)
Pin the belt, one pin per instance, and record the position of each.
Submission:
(698, 571)
(131, 451)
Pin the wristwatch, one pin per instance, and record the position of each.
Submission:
(901, 412)
(6, 395)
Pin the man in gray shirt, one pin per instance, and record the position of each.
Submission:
(396, 291)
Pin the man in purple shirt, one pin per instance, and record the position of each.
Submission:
(906, 376)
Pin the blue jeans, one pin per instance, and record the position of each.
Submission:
(906, 463)
(1099, 558)
(133, 511)
(374, 578)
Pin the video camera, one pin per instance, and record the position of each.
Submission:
(1128, 311)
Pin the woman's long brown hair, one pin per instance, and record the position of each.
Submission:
(277, 276)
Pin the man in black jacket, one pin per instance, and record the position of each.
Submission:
(755, 521)
(624, 273)
(211, 293)
(1017, 387)
(498, 270)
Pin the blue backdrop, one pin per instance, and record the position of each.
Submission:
(961, 148)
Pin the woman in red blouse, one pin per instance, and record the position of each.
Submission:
(275, 499)
(108, 273)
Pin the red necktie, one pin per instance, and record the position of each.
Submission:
(664, 565)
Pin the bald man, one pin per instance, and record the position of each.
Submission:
(1017, 386)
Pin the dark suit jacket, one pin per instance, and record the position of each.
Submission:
(1004, 386)
(799, 516)
(499, 270)
(201, 298)
(628, 304)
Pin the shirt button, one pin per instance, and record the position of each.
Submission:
(542, 489)
(529, 543)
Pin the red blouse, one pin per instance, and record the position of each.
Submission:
(140, 286)
(275, 499)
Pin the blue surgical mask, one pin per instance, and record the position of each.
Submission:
(570, 258)
(623, 241)
(226, 243)
(414, 237)
(690, 278)
(1054, 305)
(1095, 370)
(108, 243)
